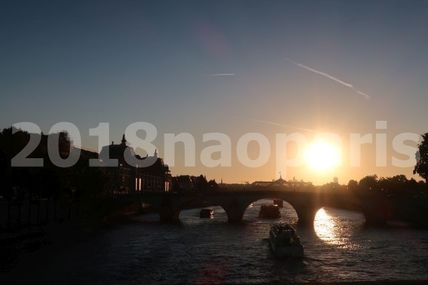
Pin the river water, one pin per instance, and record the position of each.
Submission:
(201, 251)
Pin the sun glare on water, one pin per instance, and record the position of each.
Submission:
(322, 155)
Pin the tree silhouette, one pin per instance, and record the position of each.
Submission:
(369, 183)
(421, 166)
(352, 185)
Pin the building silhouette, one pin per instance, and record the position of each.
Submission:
(125, 178)
(280, 182)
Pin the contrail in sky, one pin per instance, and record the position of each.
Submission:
(326, 75)
(283, 125)
(222, 74)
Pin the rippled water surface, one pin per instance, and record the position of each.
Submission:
(201, 251)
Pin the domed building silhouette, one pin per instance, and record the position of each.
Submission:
(149, 173)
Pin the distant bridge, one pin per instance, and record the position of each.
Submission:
(236, 201)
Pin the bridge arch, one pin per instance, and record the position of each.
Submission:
(192, 215)
(305, 209)
(288, 212)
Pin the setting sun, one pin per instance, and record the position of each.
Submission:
(322, 155)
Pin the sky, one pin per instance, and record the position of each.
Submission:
(219, 66)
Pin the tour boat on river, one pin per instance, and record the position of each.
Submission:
(206, 213)
(278, 202)
(284, 242)
(269, 212)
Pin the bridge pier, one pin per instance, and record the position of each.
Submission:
(235, 211)
(169, 215)
(234, 216)
(169, 210)
(306, 215)
(377, 211)
(376, 217)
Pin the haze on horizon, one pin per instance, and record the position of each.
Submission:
(219, 66)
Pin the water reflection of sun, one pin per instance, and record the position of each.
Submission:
(333, 230)
(324, 226)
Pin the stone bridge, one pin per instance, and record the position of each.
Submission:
(235, 202)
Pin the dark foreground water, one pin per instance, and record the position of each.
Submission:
(200, 251)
